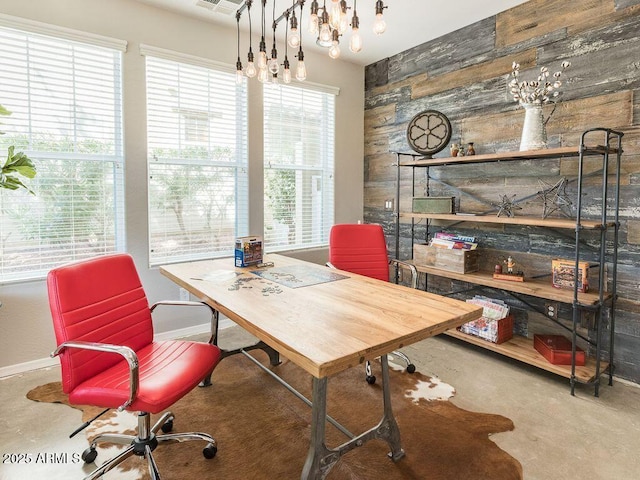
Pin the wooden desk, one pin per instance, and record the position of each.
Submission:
(325, 328)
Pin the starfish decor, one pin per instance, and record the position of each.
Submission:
(555, 199)
(507, 206)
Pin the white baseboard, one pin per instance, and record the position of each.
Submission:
(48, 362)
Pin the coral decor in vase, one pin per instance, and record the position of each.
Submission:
(531, 96)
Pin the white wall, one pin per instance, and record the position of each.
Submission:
(27, 335)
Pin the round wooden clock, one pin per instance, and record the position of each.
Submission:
(429, 132)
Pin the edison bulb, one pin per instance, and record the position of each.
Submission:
(334, 51)
(313, 24)
(325, 34)
(286, 76)
(301, 71)
(334, 14)
(263, 75)
(379, 26)
(344, 24)
(250, 71)
(239, 76)
(274, 66)
(294, 38)
(262, 60)
(355, 43)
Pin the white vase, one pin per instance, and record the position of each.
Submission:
(534, 133)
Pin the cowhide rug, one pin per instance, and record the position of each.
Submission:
(263, 431)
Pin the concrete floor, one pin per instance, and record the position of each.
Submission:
(556, 436)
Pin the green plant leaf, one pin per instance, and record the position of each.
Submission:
(16, 164)
(4, 111)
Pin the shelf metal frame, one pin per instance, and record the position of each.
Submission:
(610, 151)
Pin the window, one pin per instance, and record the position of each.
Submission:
(197, 154)
(299, 167)
(66, 102)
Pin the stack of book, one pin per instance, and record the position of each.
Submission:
(453, 241)
(495, 325)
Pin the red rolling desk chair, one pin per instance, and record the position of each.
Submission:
(104, 332)
(362, 248)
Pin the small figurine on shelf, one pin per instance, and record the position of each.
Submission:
(470, 149)
(454, 149)
(510, 274)
(510, 262)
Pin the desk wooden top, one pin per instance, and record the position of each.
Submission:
(327, 327)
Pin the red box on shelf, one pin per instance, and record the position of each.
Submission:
(557, 349)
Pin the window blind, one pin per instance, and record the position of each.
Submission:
(299, 130)
(197, 154)
(66, 102)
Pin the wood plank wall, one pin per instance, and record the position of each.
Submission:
(464, 74)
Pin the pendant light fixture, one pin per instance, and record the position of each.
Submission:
(239, 74)
(327, 23)
(250, 71)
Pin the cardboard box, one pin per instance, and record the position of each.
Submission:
(433, 205)
(557, 349)
(248, 251)
(452, 260)
(563, 274)
(494, 331)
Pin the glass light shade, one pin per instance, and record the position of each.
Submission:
(379, 25)
(355, 43)
(262, 60)
(263, 75)
(250, 71)
(294, 38)
(334, 51)
(286, 75)
(274, 66)
(301, 71)
(239, 77)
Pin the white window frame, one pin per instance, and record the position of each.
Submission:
(315, 183)
(31, 257)
(165, 246)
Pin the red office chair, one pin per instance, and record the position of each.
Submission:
(104, 332)
(362, 248)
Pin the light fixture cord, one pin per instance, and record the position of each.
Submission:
(249, 14)
(238, 23)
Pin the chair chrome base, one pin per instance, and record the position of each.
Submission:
(371, 378)
(142, 444)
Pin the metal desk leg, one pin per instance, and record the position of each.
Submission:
(321, 459)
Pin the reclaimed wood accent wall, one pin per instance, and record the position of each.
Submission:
(464, 74)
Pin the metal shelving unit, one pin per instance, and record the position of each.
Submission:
(607, 225)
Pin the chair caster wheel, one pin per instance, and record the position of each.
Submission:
(167, 427)
(89, 455)
(411, 368)
(371, 379)
(209, 451)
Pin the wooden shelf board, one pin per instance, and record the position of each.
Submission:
(540, 288)
(521, 348)
(564, 223)
(558, 152)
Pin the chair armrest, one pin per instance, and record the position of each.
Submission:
(414, 271)
(126, 352)
(330, 265)
(184, 303)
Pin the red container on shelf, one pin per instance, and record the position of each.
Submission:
(494, 331)
(557, 349)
